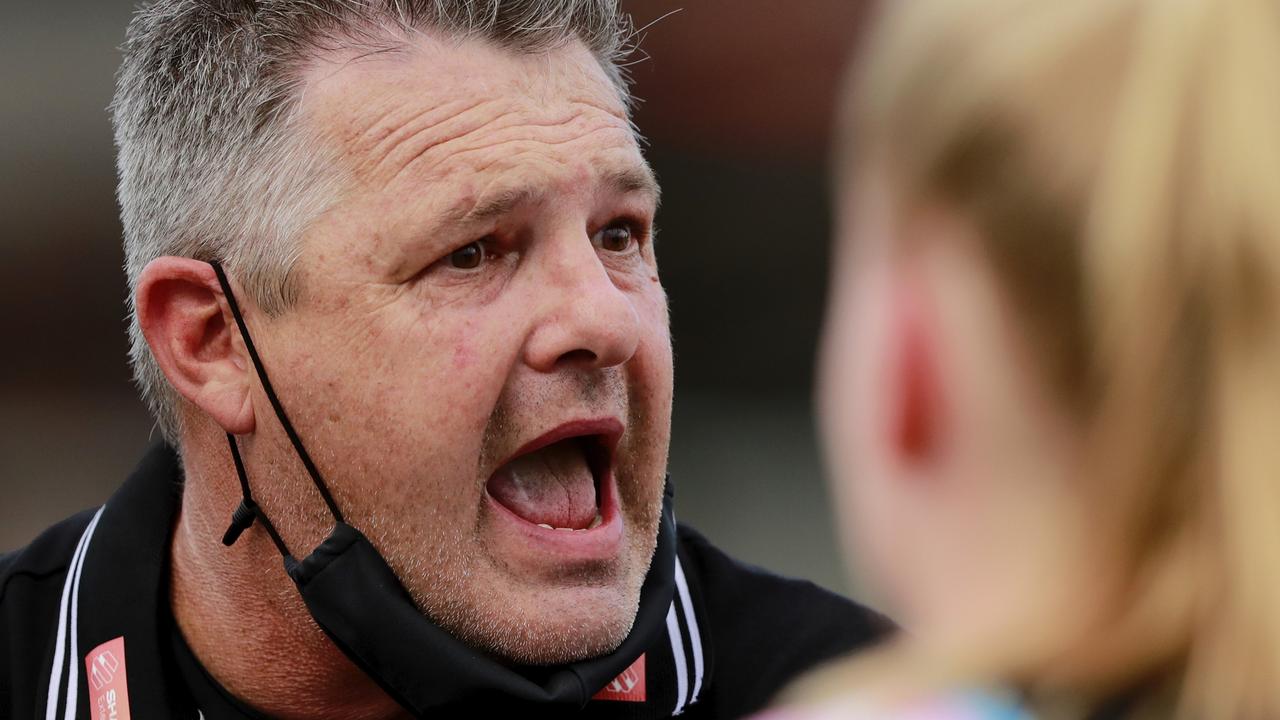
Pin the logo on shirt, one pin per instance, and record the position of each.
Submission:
(105, 668)
(102, 669)
(627, 687)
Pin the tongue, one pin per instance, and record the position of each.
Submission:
(552, 486)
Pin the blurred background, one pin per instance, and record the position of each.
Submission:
(737, 97)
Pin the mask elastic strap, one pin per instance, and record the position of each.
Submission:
(248, 509)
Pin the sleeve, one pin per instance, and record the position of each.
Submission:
(766, 630)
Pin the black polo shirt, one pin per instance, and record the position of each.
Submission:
(86, 630)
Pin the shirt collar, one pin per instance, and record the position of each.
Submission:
(122, 585)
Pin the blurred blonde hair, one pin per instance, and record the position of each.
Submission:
(1121, 159)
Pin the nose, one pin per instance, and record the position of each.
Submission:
(586, 320)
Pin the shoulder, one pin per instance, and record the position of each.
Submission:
(767, 629)
(47, 557)
(747, 594)
(31, 583)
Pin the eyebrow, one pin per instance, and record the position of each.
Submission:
(637, 179)
(500, 204)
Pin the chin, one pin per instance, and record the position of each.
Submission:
(554, 626)
(530, 596)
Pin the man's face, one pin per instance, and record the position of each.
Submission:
(479, 359)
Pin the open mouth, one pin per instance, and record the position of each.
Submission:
(558, 481)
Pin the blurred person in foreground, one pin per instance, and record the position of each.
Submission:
(1051, 374)
(394, 302)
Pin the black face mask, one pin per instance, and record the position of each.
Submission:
(360, 604)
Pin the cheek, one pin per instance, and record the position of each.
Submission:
(837, 395)
(847, 395)
(873, 504)
(464, 354)
(650, 370)
(654, 348)
(479, 353)
(417, 386)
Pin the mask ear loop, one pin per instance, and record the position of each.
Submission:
(248, 510)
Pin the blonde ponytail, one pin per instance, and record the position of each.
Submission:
(1235, 670)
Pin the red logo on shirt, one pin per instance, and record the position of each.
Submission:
(104, 667)
(627, 687)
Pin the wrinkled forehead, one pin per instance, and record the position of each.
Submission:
(379, 107)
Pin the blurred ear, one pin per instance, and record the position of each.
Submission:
(915, 409)
(188, 324)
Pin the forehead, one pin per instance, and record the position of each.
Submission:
(434, 106)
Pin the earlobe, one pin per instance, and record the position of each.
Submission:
(185, 319)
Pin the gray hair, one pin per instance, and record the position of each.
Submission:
(213, 164)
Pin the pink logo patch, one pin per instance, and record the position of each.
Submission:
(627, 687)
(108, 690)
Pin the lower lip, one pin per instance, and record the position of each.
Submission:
(537, 545)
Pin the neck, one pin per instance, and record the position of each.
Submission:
(242, 617)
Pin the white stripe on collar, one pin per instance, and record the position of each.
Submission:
(691, 622)
(677, 653)
(70, 600)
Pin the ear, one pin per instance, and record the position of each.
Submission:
(916, 415)
(188, 324)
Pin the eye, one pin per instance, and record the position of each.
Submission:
(468, 257)
(617, 237)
